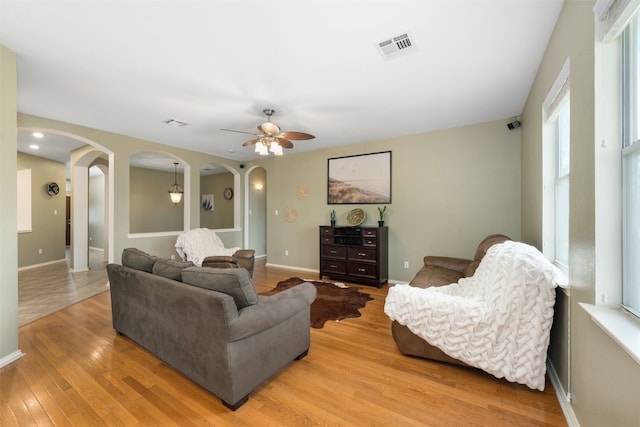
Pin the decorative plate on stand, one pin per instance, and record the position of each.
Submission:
(355, 217)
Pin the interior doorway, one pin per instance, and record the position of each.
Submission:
(67, 233)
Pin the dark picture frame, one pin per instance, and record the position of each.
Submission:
(359, 179)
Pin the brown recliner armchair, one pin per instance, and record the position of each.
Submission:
(204, 248)
(439, 271)
(242, 258)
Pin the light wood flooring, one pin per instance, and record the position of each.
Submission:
(46, 289)
(77, 371)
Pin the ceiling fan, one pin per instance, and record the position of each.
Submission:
(270, 138)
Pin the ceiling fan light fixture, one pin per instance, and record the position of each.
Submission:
(275, 148)
(270, 138)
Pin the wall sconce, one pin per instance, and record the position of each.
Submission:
(259, 187)
(175, 191)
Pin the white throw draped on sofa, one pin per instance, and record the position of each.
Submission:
(197, 244)
(497, 320)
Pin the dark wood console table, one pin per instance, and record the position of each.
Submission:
(355, 254)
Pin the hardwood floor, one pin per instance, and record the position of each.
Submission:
(77, 371)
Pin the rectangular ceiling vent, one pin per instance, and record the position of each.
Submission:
(176, 123)
(396, 46)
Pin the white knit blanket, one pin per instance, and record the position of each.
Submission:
(197, 244)
(498, 320)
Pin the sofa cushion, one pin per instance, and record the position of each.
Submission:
(231, 281)
(170, 269)
(137, 259)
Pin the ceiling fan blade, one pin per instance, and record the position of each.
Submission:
(296, 136)
(284, 143)
(269, 128)
(239, 131)
(251, 142)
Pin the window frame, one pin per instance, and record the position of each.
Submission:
(630, 144)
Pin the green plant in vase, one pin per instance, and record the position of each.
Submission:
(381, 212)
(333, 218)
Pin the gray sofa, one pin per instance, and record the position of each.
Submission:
(209, 324)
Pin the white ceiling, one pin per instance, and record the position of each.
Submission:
(127, 66)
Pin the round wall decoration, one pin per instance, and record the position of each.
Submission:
(302, 191)
(53, 188)
(228, 193)
(355, 217)
(290, 214)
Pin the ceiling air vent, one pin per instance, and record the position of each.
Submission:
(174, 122)
(396, 46)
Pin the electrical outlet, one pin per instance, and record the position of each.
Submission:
(276, 212)
(40, 251)
(173, 257)
(406, 264)
(286, 252)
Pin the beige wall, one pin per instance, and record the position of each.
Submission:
(602, 378)
(8, 210)
(222, 214)
(47, 213)
(449, 190)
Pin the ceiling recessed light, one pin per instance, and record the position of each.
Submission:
(38, 135)
(34, 147)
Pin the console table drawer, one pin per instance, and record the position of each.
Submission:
(362, 254)
(326, 231)
(334, 266)
(370, 241)
(370, 232)
(365, 270)
(334, 252)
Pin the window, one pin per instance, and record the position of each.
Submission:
(561, 206)
(556, 152)
(631, 167)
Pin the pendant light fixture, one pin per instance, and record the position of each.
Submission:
(175, 191)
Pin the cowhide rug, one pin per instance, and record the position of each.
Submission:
(332, 302)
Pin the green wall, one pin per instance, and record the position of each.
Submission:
(8, 209)
(257, 211)
(97, 211)
(450, 189)
(150, 208)
(601, 377)
(47, 213)
(222, 214)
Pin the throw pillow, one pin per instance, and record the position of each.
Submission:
(170, 269)
(231, 281)
(140, 260)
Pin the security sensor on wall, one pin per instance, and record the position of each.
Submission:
(514, 123)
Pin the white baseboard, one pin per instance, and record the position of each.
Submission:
(290, 267)
(11, 358)
(564, 398)
(27, 267)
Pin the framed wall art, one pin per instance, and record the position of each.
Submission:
(359, 179)
(207, 202)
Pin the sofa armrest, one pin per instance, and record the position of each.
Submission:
(244, 254)
(457, 264)
(271, 310)
(214, 259)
